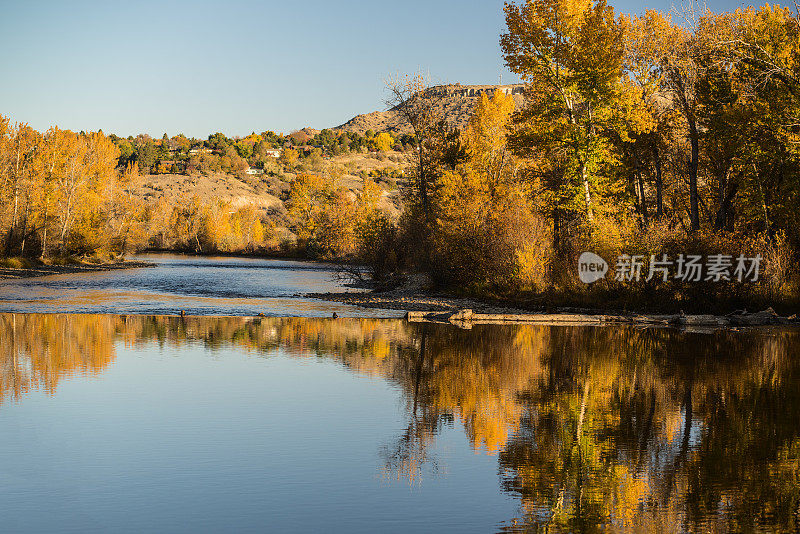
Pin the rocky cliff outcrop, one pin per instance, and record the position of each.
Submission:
(456, 101)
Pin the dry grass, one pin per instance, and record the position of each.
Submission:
(177, 187)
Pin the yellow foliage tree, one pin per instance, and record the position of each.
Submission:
(487, 232)
(307, 198)
(288, 158)
(383, 141)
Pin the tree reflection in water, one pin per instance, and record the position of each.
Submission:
(37, 351)
(594, 428)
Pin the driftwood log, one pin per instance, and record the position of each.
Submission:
(467, 317)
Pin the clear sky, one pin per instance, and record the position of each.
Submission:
(238, 66)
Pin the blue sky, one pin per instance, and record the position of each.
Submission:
(238, 66)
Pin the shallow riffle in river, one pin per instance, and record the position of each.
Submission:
(195, 285)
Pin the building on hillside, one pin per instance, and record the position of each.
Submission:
(253, 171)
(273, 152)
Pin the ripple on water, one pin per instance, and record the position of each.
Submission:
(195, 285)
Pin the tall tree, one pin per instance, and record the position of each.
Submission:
(436, 146)
(682, 68)
(570, 55)
(648, 115)
(20, 151)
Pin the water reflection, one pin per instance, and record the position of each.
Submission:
(37, 351)
(593, 428)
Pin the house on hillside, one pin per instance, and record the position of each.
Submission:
(273, 152)
(253, 171)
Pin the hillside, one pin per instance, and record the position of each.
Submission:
(456, 101)
(268, 193)
(175, 188)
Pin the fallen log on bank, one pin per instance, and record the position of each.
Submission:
(466, 318)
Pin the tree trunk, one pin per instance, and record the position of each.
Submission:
(725, 194)
(642, 200)
(65, 225)
(586, 192)
(17, 175)
(694, 206)
(44, 229)
(16, 204)
(25, 228)
(659, 184)
(12, 230)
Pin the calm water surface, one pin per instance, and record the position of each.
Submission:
(236, 424)
(197, 285)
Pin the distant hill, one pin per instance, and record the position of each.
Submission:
(267, 193)
(457, 100)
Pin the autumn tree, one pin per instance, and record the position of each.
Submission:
(383, 141)
(125, 214)
(51, 161)
(288, 158)
(570, 55)
(307, 198)
(649, 120)
(682, 68)
(487, 232)
(753, 57)
(18, 156)
(421, 108)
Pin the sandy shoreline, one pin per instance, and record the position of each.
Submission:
(7, 273)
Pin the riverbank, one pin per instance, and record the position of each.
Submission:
(28, 269)
(290, 254)
(423, 306)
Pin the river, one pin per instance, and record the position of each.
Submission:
(197, 285)
(138, 422)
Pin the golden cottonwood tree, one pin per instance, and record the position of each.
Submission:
(383, 141)
(51, 165)
(307, 197)
(682, 72)
(486, 226)
(16, 171)
(62, 190)
(648, 119)
(570, 55)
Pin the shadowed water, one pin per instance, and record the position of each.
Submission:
(196, 285)
(164, 424)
